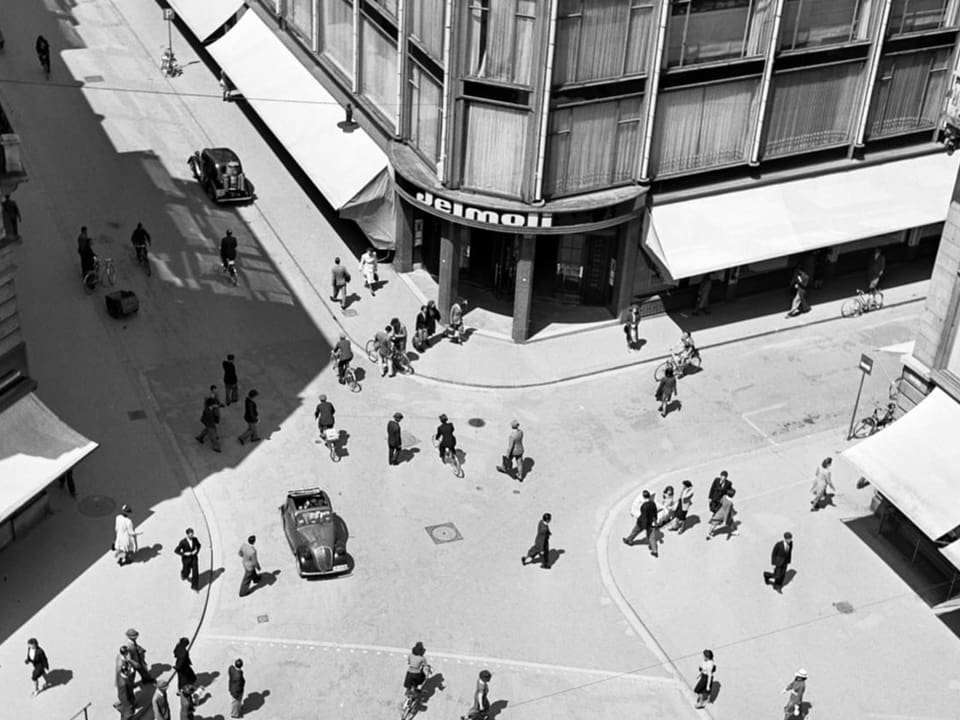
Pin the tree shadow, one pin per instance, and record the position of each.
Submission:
(146, 554)
(554, 555)
(60, 676)
(407, 455)
(496, 708)
(208, 577)
(254, 701)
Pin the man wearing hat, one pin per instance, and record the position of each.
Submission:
(393, 439)
(160, 703)
(780, 559)
(324, 414)
(138, 656)
(513, 459)
(797, 687)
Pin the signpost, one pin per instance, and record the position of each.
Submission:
(866, 367)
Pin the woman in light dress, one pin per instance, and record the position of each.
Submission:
(368, 268)
(821, 484)
(125, 540)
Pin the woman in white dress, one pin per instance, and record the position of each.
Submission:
(125, 540)
(368, 268)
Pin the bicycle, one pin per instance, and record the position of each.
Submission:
(330, 437)
(877, 420)
(103, 273)
(372, 352)
(142, 256)
(862, 302)
(401, 362)
(412, 697)
(168, 64)
(228, 268)
(350, 379)
(680, 363)
(451, 458)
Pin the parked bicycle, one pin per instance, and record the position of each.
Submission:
(877, 420)
(862, 302)
(681, 362)
(401, 363)
(103, 273)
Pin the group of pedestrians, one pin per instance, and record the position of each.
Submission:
(210, 417)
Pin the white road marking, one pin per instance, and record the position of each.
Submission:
(751, 423)
(403, 652)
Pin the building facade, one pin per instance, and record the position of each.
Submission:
(533, 142)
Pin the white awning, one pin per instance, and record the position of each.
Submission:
(913, 464)
(345, 166)
(204, 17)
(738, 228)
(36, 447)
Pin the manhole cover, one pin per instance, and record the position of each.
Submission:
(97, 505)
(137, 415)
(843, 607)
(445, 533)
(476, 422)
(263, 618)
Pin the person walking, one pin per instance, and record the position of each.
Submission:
(444, 439)
(878, 264)
(383, 339)
(723, 517)
(236, 684)
(718, 488)
(780, 558)
(251, 416)
(160, 703)
(822, 482)
(432, 317)
(228, 249)
(702, 304)
(796, 689)
(541, 544)
(138, 656)
(230, 389)
(339, 278)
(183, 665)
(188, 702)
(456, 321)
(513, 458)
(189, 551)
(801, 280)
(704, 686)
(343, 354)
(214, 395)
(124, 677)
(210, 418)
(481, 700)
(368, 268)
(666, 390)
(393, 439)
(398, 334)
(684, 503)
(324, 415)
(644, 509)
(251, 566)
(125, 537)
(11, 217)
(41, 666)
(631, 327)
(420, 330)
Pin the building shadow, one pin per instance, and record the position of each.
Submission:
(254, 701)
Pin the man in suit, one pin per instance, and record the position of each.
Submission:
(251, 565)
(230, 380)
(780, 558)
(718, 489)
(252, 417)
(541, 545)
(645, 511)
(138, 656)
(339, 277)
(393, 439)
(324, 414)
(189, 550)
(235, 685)
(513, 459)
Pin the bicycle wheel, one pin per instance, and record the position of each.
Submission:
(877, 299)
(661, 370)
(865, 428)
(371, 350)
(350, 378)
(693, 364)
(455, 461)
(90, 281)
(334, 455)
(408, 708)
(110, 273)
(851, 308)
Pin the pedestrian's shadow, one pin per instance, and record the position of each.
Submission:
(496, 708)
(146, 554)
(407, 455)
(158, 669)
(340, 444)
(461, 456)
(554, 555)
(788, 578)
(360, 374)
(714, 691)
(350, 300)
(638, 345)
(732, 527)
(692, 521)
(674, 406)
(432, 685)
(205, 680)
(528, 465)
(59, 676)
(254, 701)
(208, 577)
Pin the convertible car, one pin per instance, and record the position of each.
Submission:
(219, 172)
(317, 535)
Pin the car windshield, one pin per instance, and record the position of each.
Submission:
(313, 517)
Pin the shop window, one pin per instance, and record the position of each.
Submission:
(812, 108)
(907, 16)
(427, 25)
(336, 34)
(602, 39)
(701, 31)
(495, 139)
(909, 92)
(570, 264)
(592, 146)
(425, 94)
(390, 6)
(704, 126)
(811, 23)
(501, 40)
(378, 81)
(299, 15)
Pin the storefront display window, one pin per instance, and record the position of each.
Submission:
(500, 40)
(425, 94)
(907, 16)
(427, 25)
(809, 23)
(812, 108)
(909, 92)
(701, 31)
(299, 14)
(336, 34)
(602, 39)
(379, 71)
(703, 126)
(495, 139)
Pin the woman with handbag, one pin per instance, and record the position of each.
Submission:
(704, 686)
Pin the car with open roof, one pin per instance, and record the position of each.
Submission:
(316, 534)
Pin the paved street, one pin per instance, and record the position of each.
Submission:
(607, 632)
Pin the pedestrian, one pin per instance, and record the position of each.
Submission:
(796, 689)
(66, 481)
(878, 264)
(236, 683)
(684, 503)
(383, 339)
(444, 439)
(252, 417)
(393, 439)
(718, 488)
(666, 506)
(160, 702)
(138, 656)
(343, 353)
(541, 545)
(702, 304)
(801, 280)
(398, 333)
(723, 517)
(420, 330)
(88, 258)
(339, 277)
(822, 482)
(324, 415)
(231, 392)
(456, 321)
(368, 268)
(644, 509)
(513, 458)
(631, 327)
(189, 551)
(481, 702)
(125, 675)
(780, 558)
(11, 217)
(704, 686)
(183, 665)
(214, 395)
(188, 703)
(41, 666)
(431, 319)
(125, 537)
(210, 418)
(251, 565)
(666, 389)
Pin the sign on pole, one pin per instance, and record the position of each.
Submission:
(866, 364)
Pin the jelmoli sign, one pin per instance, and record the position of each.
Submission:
(485, 216)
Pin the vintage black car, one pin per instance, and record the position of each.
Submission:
(317, 535)
(219, 172)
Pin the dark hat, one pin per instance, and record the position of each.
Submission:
(788, 536)
(132, 634)
(514, 424)
(126, 509)
(398, 416)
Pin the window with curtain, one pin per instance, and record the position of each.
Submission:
(592, 146)
(810, 23)
(426, 25)
(496, 141)
(378, 74)
(908, 16)
(700, 31)
(812, 108)
(390, 6)
(501, 39)
(299, 14)
(704, 126)
(602, 39)
(909, 92)
(425, 94)
(336, 34)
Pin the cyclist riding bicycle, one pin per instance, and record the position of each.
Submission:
(228, 249)
(687, 349)
(140, 239)
(399, 335)
(384, 341)
(343, 354)
(446, 440)
(324, 414)
(417, 669)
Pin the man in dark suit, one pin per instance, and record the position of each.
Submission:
(541, 545)
(189, 550)
(235, 684)
(780, 558)
(393, 439)
(230, 380)
(718, 489)
(251, 565)
(252, 417)
(646, 515)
